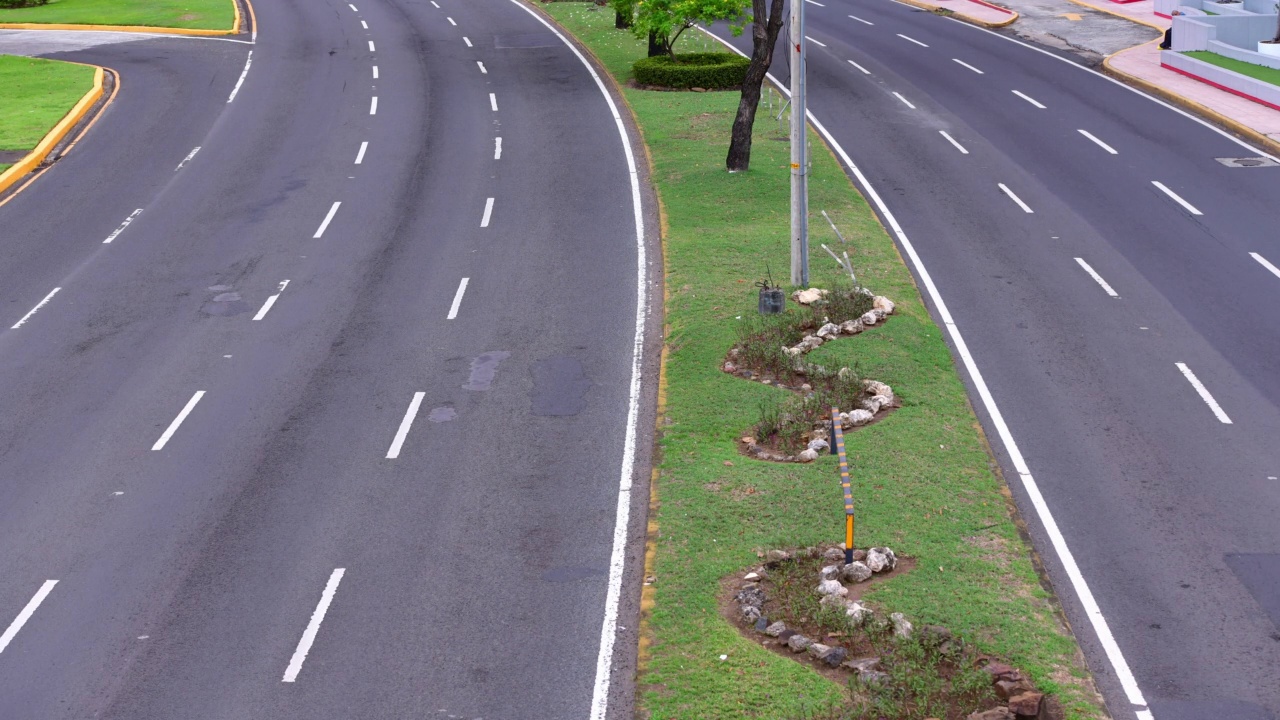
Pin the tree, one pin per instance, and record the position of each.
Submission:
(664, 21)
(764, 37)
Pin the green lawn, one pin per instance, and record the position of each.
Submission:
(190, 14)
(1258, 72)
(34, 95)
(924, 481)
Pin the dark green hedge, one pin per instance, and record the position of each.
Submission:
(10, 4)
(713, 70)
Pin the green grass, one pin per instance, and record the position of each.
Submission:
(34, 95)
(1257, 72)
(189, 14)
(923, 477)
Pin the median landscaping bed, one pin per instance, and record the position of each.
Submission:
(1257, 72)
(186, 14)
(923, 480)
(34, 95)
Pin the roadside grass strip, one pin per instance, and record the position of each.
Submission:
(186, 14)
(34, 95)
(1257, 72)
(923, 478)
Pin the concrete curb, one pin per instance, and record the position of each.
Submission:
(1109, 11)
(967, 18)
(55, 136)
(1235, 126)
(235, 26)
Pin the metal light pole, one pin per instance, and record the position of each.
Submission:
(799, 152)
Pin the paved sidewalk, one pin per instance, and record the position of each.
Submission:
(984, 13)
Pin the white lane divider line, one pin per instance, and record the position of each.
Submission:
(36, 309)
(968, 65)
(1029, 99)
(266, 306)
(333, 210)
(1261, 260)
(467, 40)
(373, 105)
(375, 72)
(815, 42)
(1098, 278)
(864, 22)
(488, 212)
(360, 155)
(908, 102)
(1101, 144)
(1204, 393)
(815, 2)
(457, 299)
(493, 102)
(483, 71)
(1015, 198)
(403, 431)
(911, 39)
(313, 627)
(353, 7)
(26, 613)
(364, 25)
(1186, 205)
(371, 47)
(436, 4)
(173, 426)
(953, 142)
(187, 159)
(116, 233)
(451, 22)
(497, 148)
(243, 74)
(864, 70)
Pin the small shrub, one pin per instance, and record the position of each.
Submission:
(710, 70)
(14, 4)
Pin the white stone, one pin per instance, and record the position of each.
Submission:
(885, 401)
(844, 373)
(901, 626)
(881, 302)
(818, 445)
(808, 297)
(857, 612)
(832, 587)
(830, 572)
(832, 601)
(871, 405)
(851, 327)
(860, 417)
(830, 330)
(875, 387)
(869, 318)
(807, 456)
(855, 572)
(880, 559)
(751, 576)
(793, 351)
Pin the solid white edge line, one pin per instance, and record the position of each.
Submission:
(187, 159)
(617, 559)
(266, 307)
(360, 155)
(243, 73)
(864, 70)
(1204, 393)
(1131, 89)
(1265, 263)
(488, 212)
(908, 102)
(373, 105)
(324, 225)
(1101, 144)
(497, 148)
(375, 72)
(44, 302)
(493, 102)
(482, 69)
(953, 142)
(27, 611)
(1028, 98)
(1087, 602)
(1015, 198)
(1186, 205)
(855, 17)
(407, 422)
(173, 426)
(313, 626)
(457, 299)
(911, 39)
(815, 42)
(1098, 278)
(958, 60)
(127, 221)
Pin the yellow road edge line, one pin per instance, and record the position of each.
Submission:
(56, 135)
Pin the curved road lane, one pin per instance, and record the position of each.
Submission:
(334, 426)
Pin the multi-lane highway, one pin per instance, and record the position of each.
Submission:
(324, 378)
(1111, 289)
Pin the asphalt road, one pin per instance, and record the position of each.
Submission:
(1165, 493)
(335, 425)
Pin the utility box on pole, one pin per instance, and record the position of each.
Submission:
(799, 152)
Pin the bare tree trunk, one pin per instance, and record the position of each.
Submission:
(764, 36)
(620, 21)
(657, 46)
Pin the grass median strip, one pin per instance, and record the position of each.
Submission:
(187, 14)
(1257, 72)
(923, 479)
(34, 95)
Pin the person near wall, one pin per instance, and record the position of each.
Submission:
(1168, 34)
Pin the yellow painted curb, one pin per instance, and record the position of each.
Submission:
(1109, 11)
(1235, 126)
(235, 27)
(963, 16)
(55, 136)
